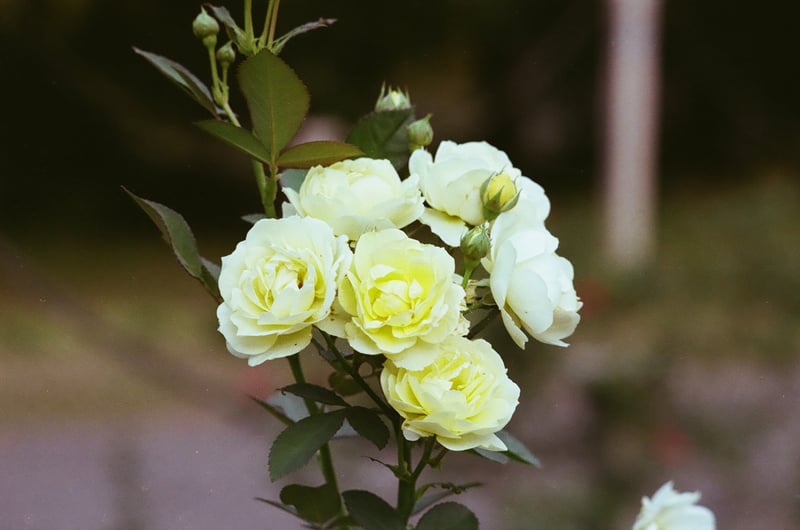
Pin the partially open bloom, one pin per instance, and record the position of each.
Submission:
(462, 396)
(670, 510)
(276, 284)
(400, 293)
(498, 194)
(355, 196)
(451, 183)
(532, 286)
(530, 211)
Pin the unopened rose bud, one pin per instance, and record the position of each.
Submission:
(420, 133)
(392, 99)
(498, 194)
(205, 28)
(226, 55)
(475, 245)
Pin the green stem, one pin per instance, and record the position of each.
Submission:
(248, 20)
(216, 85)
(467, 275)
(325, 458)
(407, 482)
(267, 188)
(438, 458)
(226, 106)
(425, 459)
(352, 372)
(273, 22)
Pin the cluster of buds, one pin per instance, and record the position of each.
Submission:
(419, 133)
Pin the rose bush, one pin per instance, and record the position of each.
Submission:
(400, 293)
(462, 396)
(356, 196)
(276, 284)
(671, 510)
(451, 184)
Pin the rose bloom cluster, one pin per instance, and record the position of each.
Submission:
(339, 260)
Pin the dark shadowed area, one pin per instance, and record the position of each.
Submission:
(119, 405)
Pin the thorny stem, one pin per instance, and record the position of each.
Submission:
(406, 485)
(407, 478)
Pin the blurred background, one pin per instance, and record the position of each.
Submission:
(121, 409)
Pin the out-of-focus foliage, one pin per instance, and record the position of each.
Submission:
(88, 114)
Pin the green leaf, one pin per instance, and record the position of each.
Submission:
(278, 100)
(182, 77)
(275, 411)
(494, 456)
(517, 450)
(448, 489)
(280, 506)
(448, 516)
(371, 512)
(293, 178)
(280, 42)
(176, 232)
(236, 137)
(315, 393)
(292, 406)
(314, 504)
(368, 424)
(235, 33)
(382, 135)
(253, 218)
(295, 446)
(211, 268)
(320, 153)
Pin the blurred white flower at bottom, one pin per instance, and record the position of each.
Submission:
(671, 510)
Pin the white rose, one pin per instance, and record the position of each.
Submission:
(400, 293)
(670, 510)
(356, 196)
(462, 396)
(451, 183)
(532, 286)
(276, 284)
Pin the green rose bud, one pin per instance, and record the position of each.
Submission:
(392, 99)
(475, 244)
(226, 55)
(205, 26)
(498, 194)
(420, 133)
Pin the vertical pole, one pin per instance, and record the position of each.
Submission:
(631, 132)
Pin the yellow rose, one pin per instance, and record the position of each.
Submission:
(276, 284)
(463, 396)
(400, 293)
